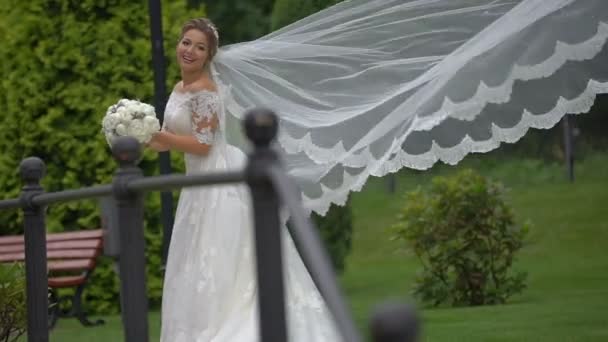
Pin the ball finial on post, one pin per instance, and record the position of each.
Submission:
(32, 169)
(261, 126)
(126, 151)
(395, 322)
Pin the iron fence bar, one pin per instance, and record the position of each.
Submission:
(139, 185)
(13, 203)
(313, 254)
(69, 195)
(174, 181)
(132, 260)
(160, 98)
(32, 170)
(261, 126)
(569, 146)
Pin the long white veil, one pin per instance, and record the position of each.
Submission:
(367, 87)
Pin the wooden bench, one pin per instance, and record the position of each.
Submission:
(72, 257)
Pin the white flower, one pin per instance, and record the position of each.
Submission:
(121, 129)
(137, 130)
(110, 121)
(123, 102)
(123, 114)
(149, 111)
(151, 123)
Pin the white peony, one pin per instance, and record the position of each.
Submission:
(137, 130)
(110, 121)
(123, 102)
(120, 129)
(149, 111)
(123, 114)
(151, 123)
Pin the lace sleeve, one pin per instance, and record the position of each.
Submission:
(204, 108)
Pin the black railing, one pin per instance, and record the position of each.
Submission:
(270, 186)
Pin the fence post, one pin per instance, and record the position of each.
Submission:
(32, 170)
(261, 127)
(132, 263)
(395, 322)
(569, 146)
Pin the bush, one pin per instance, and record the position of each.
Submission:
(336, 231)
(464, 234)
(63, 63)
(13, 320)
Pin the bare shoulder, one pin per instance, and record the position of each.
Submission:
(178, 87)
(203, 85)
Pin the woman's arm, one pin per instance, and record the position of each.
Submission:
(183, 143)
(164, 140)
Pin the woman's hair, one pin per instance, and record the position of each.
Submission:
(206, 26)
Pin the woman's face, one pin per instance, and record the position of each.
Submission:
(193, 50)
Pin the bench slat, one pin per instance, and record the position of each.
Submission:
(73, 254)
(11, 240)
(54, 254)
(76, 235)
(76, 244)
(71, 265)
(57, 245)
(10, 257)
(67, 281)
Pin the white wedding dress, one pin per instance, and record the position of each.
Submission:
(210, 289)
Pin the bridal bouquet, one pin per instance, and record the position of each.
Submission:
(130, 118)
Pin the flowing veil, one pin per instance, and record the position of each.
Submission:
(367, 87)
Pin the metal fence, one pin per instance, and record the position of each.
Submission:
(270, 188)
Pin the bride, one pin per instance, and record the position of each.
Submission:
(210, 283)
(363, 88)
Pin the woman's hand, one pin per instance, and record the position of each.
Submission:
(155, 143)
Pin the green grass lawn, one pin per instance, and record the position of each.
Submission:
(566, 256)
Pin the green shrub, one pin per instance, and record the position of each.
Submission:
(13, 320)
(466, 239)
(335, 228)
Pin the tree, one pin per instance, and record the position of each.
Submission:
(286, 12)
(63, 63)
(335, 227)
(238, 20)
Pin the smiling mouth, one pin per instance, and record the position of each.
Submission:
(187, 59)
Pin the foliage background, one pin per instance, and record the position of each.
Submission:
(63, 63)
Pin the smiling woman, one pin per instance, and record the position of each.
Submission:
(210, 288)
(195, 50)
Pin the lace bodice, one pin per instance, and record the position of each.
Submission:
(194, 113)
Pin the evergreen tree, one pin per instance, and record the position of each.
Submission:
(63, 63)
(238, 20)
